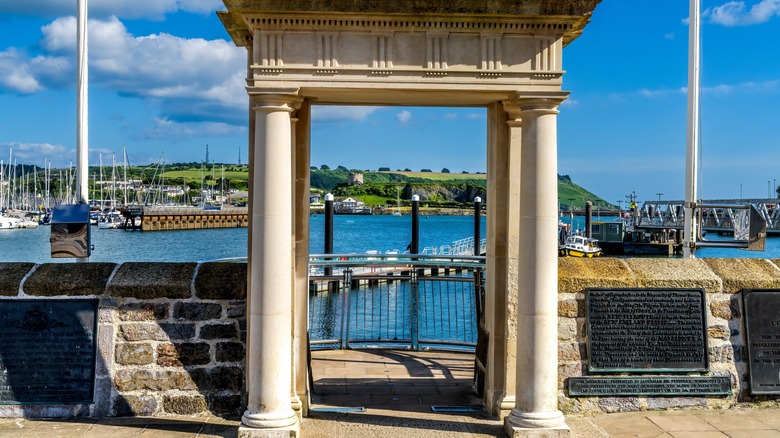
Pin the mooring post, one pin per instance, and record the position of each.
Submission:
(415, 249)
(328, 229)
(477, 230)
(588, 219)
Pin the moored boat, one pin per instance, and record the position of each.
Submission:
(581, 246)
(8, 222)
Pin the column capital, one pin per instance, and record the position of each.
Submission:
(274, 99)
(538, 102)
(513, 111)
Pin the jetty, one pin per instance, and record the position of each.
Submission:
(192, 218)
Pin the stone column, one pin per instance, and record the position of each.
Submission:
(504, 145)
(301, 226)
(269, 303)
(496, 286)
(536, 410)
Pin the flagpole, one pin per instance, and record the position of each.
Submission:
(692, 144)
(82, 107)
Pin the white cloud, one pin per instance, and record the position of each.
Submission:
(15, 74)
(669, 36)
(170, 129)
(188, 79)
(35, 153)
(136, 9)
(736, 13)
(341, 113)
(569, 103)
(744, 87)
(403, 117)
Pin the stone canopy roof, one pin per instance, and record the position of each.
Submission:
(572, 11)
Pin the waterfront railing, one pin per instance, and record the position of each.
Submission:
(395, 301)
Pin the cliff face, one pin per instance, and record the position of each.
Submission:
(444, 193)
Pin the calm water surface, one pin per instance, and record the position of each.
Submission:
(352, 234)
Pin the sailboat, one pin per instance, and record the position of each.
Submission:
(397, 211)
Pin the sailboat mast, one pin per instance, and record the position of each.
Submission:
(692, 144)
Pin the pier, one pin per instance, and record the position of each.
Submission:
(192, 218)
(669, 215)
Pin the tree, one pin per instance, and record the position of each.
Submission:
(465, 172)
(426, 170)
(407, 170)
(445, 170)
(324, 167)
(342, 169)
(384, 169)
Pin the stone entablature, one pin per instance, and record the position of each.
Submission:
(319, 47)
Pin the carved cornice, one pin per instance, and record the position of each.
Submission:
(298, 22)
(561, 17)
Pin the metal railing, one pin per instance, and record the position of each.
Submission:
(395, 301)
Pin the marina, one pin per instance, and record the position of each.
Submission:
(352, 235)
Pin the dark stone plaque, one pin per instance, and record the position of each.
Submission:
(657, 386)
(762, 331)
(47, 350)
(646, 330)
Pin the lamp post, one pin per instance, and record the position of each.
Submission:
(659, 196)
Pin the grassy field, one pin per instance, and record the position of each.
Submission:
(437, 176)
(197, 175)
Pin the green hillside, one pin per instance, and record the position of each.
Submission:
(379, 188)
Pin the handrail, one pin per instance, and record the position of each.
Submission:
(395, 300)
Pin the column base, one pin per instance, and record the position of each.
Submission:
(256, 425)
(292, 431)
(536, 425)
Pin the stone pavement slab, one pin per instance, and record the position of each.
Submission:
(397, 390)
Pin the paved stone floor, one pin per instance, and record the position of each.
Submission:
(397, 389)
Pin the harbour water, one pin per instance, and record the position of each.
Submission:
(352, 234)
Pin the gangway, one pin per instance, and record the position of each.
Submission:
(669, 215)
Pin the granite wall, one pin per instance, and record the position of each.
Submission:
(722, 280)
(170, 335)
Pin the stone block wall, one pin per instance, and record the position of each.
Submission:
(171, 336)
(722, 279)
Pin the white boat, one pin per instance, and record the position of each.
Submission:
(581, 246)
(8, 223)
(110, 221)
(27, 223)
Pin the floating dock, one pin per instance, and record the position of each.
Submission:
(192, 218)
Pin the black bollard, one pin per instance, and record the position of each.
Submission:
(328, 229)
(477, 230)
(415, 224)
(588, 219)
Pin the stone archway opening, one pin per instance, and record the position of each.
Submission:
(415, 145)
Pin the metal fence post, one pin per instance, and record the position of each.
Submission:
(414, 331)
(345, 309)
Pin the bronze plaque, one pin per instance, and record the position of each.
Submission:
(646, 330)
(762, 336)
(47, 350)
(666, 386)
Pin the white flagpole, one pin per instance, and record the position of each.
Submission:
(692, 146)
(82, 132)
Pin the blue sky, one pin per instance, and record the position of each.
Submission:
(165, 81)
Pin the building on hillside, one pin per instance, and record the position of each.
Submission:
(355, 179)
